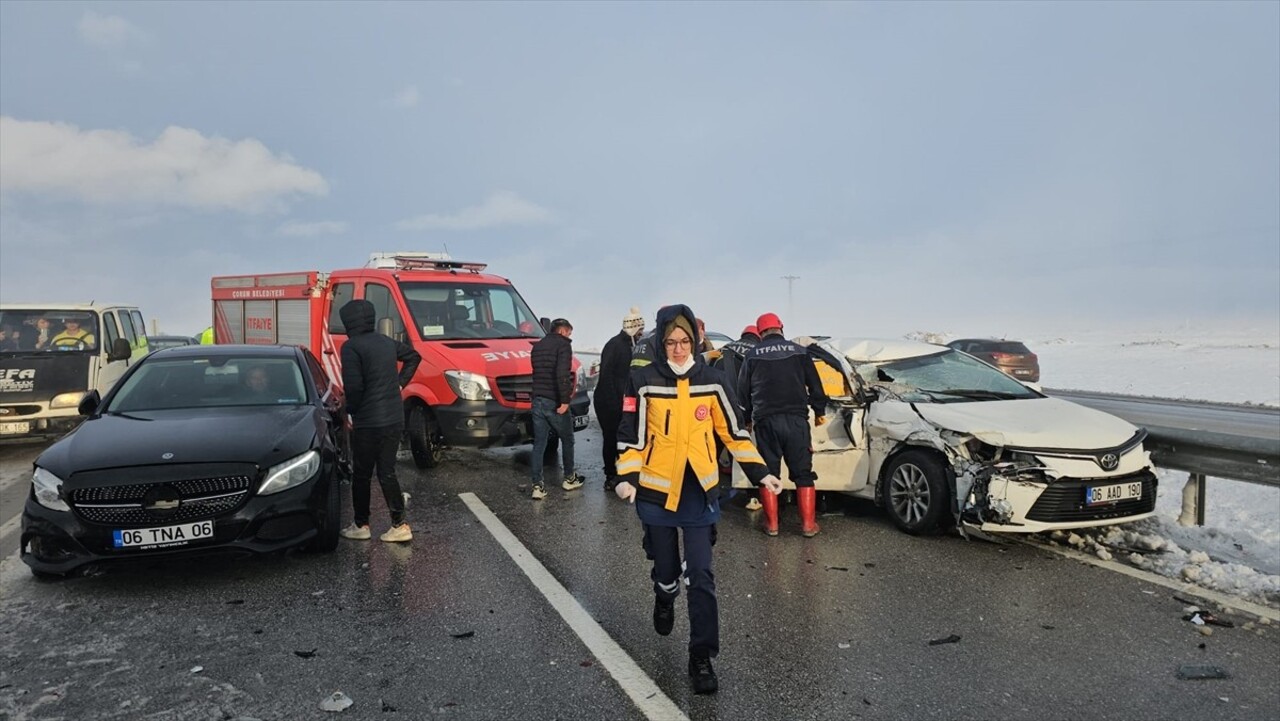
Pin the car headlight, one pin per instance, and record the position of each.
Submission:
(290, 473)
(48, 489)
(66, 400)
(469, 386)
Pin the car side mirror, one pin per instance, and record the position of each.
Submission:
(120, 350)
(91, 400)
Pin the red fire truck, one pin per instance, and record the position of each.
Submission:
(473, 330)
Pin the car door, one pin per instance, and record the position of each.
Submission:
(840, 444)
(331, 398)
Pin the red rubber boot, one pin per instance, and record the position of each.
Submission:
(807, 499)
(770, 503)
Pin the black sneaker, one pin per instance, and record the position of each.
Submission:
(704, 677)
(610, 482)
(664, 617)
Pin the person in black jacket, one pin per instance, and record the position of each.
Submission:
(553, 382)
(777, 386)
(372, 386)
(615, 369)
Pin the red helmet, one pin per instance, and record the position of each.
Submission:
(752, 330)
(768, 321)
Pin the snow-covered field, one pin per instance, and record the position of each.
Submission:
(1238, 549)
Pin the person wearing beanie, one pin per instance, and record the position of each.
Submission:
(671, 409)
(778, 385)
(615, 367)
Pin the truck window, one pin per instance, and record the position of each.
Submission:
(110, 329)
(141, 327)
(130, 332)
(387, 318)
(448, 311)
(342, 292)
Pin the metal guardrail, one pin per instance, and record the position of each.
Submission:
(1184, 437)
(1256, 460)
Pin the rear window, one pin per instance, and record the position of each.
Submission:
(1010, 346)
(996, 346)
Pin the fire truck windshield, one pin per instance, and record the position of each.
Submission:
(452, 311)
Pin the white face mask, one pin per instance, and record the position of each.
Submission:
(681, 369)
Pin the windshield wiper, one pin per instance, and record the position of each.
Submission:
(978, 393)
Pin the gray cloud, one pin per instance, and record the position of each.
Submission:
(181, 167)
(499, 209)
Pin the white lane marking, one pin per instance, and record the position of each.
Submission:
(1190, 589)
(634, 681)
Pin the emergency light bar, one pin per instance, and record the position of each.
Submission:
(389, 260)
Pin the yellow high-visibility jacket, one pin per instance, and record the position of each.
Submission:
(670, 423)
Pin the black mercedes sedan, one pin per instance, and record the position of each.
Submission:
(196, 450)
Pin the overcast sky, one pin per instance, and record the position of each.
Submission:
(970, 168)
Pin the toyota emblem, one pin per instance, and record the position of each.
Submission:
(1109, 462)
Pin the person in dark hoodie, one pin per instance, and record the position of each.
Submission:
(615, 369)
(553, 385)
(372, 383)
(667, 467)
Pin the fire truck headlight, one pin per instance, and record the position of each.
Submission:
(469, 386)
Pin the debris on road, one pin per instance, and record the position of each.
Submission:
(305, 654)
(197, 669)
(464, 634)
(336, 702)
(949, 639)
(1194, 672)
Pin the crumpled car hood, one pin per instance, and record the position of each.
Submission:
(1031, 423)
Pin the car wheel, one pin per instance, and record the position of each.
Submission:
(914, 492)
(424, 438)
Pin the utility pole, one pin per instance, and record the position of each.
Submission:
(790, 305)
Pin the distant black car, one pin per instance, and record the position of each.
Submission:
(160, 342)
(200, 449)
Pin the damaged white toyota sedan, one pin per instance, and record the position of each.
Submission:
(939, 439)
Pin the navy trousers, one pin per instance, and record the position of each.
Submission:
(661, 545)
(786, 437)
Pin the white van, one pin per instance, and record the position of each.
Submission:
(51, 354)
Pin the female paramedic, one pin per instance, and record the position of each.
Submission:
(672, 411)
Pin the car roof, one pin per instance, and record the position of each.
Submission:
(244, 349)
(877, 350)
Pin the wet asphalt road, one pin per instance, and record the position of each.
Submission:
(835, 627)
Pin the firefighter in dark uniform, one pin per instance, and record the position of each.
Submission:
(777, 386)
(672, 409)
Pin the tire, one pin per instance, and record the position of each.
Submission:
(915, 492)
(327, 540)
(424, 437)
